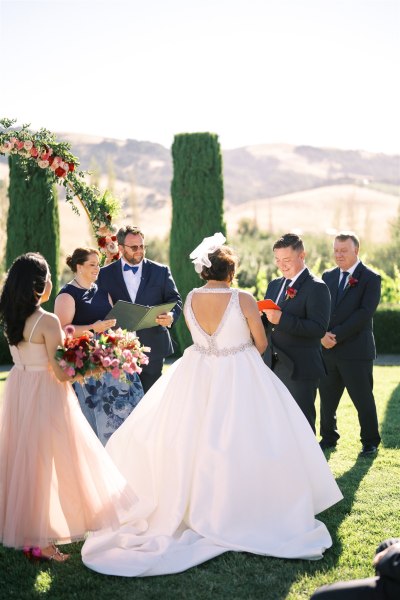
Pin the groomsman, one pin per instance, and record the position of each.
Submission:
(349, 345)
(134, 278)
(294, 332)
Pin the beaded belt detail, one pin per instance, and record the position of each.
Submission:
(213, 351)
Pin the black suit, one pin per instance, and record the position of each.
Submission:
(294, 350)
(385, 586)
(349, 363)
(156, 287)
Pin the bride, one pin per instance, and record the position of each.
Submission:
(218, 452)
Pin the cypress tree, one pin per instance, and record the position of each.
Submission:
(197, 208)
(33, 223)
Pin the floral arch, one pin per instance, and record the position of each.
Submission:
(42, 148)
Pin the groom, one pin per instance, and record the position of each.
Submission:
(294, 332)
(133, 278)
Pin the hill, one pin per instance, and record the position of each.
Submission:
(280, 186)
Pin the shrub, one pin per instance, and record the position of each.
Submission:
(387, 329)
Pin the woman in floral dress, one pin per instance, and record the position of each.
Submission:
(105, 402)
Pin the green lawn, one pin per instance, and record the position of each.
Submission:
(367, 515)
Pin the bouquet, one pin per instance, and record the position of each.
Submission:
(118, 352)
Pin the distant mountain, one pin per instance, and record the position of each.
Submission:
(250, 173)
(274, 184)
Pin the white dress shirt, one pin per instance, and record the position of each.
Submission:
(349, 271)
(132, 280)
(292, 280)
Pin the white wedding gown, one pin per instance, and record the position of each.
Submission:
(221, 458)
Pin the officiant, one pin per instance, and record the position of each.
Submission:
(134, 278)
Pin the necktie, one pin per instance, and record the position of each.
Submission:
(282, 297)
(129, 268)
(341, 285)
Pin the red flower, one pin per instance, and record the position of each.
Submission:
(60, 172)
(290, 293)
(51, 160)
(102, 242)
(352, 281)
(71, 167)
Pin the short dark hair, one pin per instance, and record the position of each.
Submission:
(123, 232)
(223, 265)
(343, 236)
(79, 256)
(289, 240)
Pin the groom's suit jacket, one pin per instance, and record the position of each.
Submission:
(296, 340)
(351, 316)
(156, 287)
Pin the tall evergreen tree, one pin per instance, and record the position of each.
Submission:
(197, 208)
(33, 223)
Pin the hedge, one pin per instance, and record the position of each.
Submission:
(386, 330)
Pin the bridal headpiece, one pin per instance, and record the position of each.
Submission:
(209, 245)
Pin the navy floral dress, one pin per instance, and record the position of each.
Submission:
(105, 402)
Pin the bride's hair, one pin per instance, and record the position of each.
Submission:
(24, 284)
(223, 265)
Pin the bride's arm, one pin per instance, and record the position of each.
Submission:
(53, 337)
(250, 310)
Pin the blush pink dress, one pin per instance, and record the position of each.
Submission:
(56, 480)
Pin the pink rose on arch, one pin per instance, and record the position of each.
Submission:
(106, 361)
(43, 164)
(28, 145)
(19, 145)
(34, 152)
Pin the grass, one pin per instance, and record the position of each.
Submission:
(367, 515)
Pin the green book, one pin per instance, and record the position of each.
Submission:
(134, 317)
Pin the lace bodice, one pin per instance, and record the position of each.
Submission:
(232, 334)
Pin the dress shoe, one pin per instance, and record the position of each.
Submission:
(368, 450)
(326, 445)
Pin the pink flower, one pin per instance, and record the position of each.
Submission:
(70, 329)
(19, 145)
(7, 146)
(106, 362)
(115, 373)
(70, 371)
(34, 152)
(28, 145)
(43, 164)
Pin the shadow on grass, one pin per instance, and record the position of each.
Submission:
(390, 425)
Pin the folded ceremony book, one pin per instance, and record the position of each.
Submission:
(134, 317)
(264, 304)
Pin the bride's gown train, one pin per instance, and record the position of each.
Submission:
(221, 458)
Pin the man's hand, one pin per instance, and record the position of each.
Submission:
(165, 319)
(273, 316)
(329, 340)
(378, 557)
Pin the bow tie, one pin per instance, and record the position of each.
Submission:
(129, 268)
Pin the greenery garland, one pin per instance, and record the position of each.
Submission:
(41, 147)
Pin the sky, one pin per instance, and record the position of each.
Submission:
(314, 72)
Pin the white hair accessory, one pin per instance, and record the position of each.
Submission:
(209, 245)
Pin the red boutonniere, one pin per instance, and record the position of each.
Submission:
(290, 293)
(352, 281)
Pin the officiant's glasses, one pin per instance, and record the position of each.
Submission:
(135, 248)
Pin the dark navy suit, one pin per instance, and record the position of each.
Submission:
(156, 287)
(294, 349)
(350, 362)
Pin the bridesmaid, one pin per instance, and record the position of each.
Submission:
(57, 482)
(105, 402)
